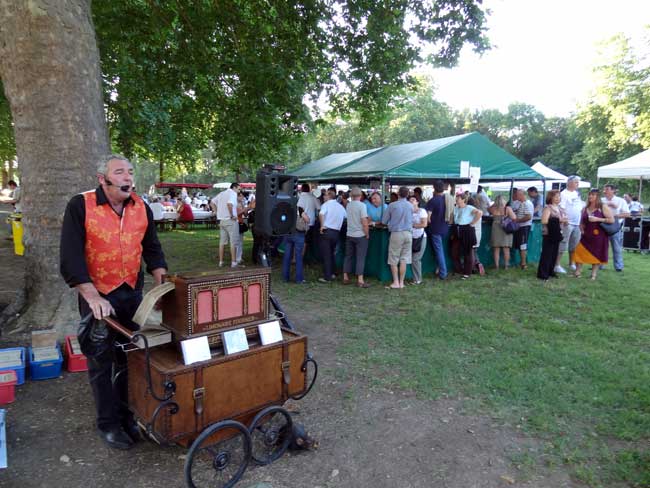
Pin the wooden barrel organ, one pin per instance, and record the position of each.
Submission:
(230, 397)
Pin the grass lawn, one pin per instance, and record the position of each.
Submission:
(568, 361)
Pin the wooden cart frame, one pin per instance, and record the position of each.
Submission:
(229, 410)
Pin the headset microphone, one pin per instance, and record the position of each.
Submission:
(124, 188)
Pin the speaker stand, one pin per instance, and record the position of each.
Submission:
(264, 254)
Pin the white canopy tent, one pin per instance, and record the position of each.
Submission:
(636, 167)
(549, 174)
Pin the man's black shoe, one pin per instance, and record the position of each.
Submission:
(116, 438)
(132, 430)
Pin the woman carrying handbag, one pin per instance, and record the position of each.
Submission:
(594, 243)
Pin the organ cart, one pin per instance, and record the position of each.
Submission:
(228, 409)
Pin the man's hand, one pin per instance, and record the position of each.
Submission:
(158, 278)
(99, 305)
(158, 275)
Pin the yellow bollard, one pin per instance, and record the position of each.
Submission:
(17, 230)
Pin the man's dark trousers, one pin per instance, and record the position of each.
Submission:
(111, 404)
(328, 240)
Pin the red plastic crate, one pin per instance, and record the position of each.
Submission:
(75, 362)
(8, 380)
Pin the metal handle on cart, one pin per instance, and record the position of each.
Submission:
(119, 328)
(134, 337)
(150, 427)
(309, 359)
(283, 318)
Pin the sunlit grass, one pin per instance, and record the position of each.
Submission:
(568, 360)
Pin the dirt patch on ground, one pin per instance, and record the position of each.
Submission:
(368, 437)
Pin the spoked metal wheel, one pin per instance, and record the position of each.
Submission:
(270, 432)
(219, 456)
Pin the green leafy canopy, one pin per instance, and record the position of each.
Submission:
(245, 73)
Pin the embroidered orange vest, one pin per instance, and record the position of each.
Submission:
(114, 244)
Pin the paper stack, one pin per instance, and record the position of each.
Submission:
(44, 345)
(9, 358)
(75, 348)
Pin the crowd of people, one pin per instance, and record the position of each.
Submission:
(584, 229)
(109, 277)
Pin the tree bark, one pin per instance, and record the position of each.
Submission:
(49, 66)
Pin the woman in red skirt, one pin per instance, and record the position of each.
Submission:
(594, 243)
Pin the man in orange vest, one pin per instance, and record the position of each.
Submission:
(106, 234)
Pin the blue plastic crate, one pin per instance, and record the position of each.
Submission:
(19, 368)
(45, 370)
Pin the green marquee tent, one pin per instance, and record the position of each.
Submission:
(321, 166)
(420, 162)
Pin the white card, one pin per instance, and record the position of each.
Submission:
(474, 177)
(270, 332)
(195, 350)
(235, 341)
(464, 169)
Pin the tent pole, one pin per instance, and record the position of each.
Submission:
(512, 184)
(383, 191)
(640, 186)
(544, 192)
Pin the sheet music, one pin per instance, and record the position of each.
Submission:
(149, 300)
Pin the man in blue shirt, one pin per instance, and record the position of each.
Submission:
(438, 227)
(399, 219)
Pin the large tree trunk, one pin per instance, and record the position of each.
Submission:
(49, 65)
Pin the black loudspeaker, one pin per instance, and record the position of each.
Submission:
(276, 199)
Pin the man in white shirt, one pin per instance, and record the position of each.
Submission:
(157, 209)
(621, 211)
(572, 205)
(537, 201)
(15, 196)
(482, 200)
(310, 205)
(636, 208)
(331, 219)
(228, 226)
